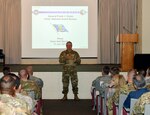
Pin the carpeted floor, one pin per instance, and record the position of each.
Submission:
(70, 107)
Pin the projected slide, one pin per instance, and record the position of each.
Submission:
(53, 26)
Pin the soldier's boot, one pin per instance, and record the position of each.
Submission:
(64, 98)
(76, 98)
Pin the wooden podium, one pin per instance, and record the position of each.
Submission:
(127, 50)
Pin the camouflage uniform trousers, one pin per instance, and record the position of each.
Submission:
(68, 74)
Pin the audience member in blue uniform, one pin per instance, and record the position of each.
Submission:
(139, 84)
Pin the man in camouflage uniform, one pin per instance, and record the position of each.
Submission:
(9, 99)
(29, 87)
(138, 108)
(70, 59)
(38, 81)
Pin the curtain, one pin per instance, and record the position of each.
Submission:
(115, 17)
(10, 30)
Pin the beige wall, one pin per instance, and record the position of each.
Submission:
(145, 26)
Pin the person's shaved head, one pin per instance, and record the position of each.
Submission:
(7, 84)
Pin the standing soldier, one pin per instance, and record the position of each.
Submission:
(70, 59)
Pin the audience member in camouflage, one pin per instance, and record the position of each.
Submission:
(33, 78)
(28, 86)
(31, 103)
(117, 82)
(138, 108)
(70, 59)
(8, 96)
(129, 85)
(6, 109)
(20, 106)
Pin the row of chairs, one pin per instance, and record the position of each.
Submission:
(99, 104)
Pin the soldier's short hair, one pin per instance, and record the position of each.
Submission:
(106, 69)
(139, 81)
(115, 70)
(69, 42)
(6, 70)
(7, 82)
(16, 78)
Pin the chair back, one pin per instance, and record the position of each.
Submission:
(133, 101)
(147, 109)
(122, 98)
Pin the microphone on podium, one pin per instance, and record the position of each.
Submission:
(126, 29)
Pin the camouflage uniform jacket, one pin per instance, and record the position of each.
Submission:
(20, 106)
(127, 88)
(31, 89)
(6, 109)
(122, 90)
(138, 108)
(69, 67)
(31, 103)
(38, 81)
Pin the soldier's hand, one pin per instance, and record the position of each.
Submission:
(69, 57)
(74, 60)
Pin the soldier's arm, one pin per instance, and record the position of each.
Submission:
(78, 59)
(62, 58)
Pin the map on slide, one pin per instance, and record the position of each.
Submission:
(60, 28)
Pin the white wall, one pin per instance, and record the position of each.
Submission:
(145, 26)
(53, 84)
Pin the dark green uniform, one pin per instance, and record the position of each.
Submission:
(69, 70)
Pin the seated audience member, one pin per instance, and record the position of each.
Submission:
(139, 84)
(39, 83)
(36, 79)
(117, 82)
(105, 78)
(114, 71)
(8, 96)
(130, 75)
(139, 106)
(29, 86)
(7, 71)
(142, 72)
(31, 103)
(147, 77)
(129, 84)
